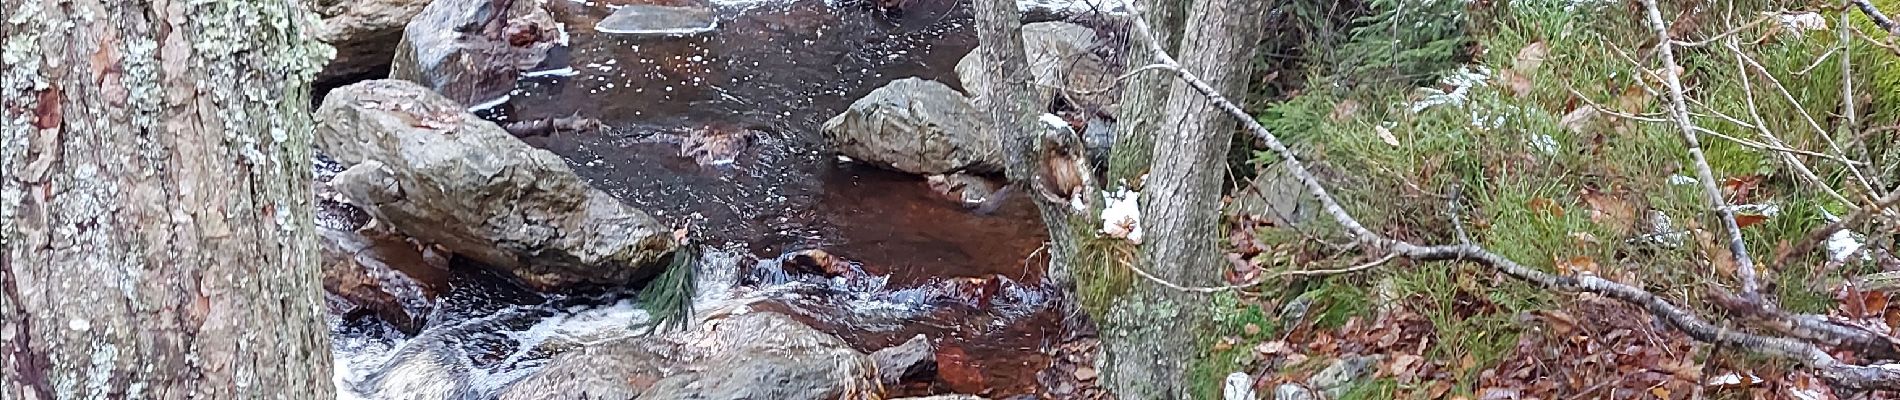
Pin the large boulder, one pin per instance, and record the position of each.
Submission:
(917, 126)
(472, 51)
(747, 355)
(364, 34)
(424, 165)
(1060, 55)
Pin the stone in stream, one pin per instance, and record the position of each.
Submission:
(917, 126)
(1059, 55)
(427, 167)
(472, 51)
(737, 355)
(916, 358)
(361, 32)
(642, 20)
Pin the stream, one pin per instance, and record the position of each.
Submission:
(921, 263)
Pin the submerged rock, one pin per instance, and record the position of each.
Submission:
(657, 20)
(472, 51)
(382, 274)
(917, 126)
(1059, 55)
(364, 34)
(748, 355)
(427, 167)
(916, 358)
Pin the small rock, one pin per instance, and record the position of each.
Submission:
(1238, 386)
(657, 20)
(717, 145)
(914, 359)
(1293, 391)
(1338, 377)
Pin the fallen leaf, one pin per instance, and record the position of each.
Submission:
(1273, 347)
(1660, 392)
(1531, 56)
(1634, 100)
(1747, 220)
(1577, 119)
(1615, 212)
(1085, 373)
(1344, 110)
(1546, 206)
(1251, 329)
(1577, 265)
(1405, 367)
(1518, 83)
(1386, 135)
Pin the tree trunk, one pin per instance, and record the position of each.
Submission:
(1144, 96)
(1009, 110)
(155, 191)
(1151, 336)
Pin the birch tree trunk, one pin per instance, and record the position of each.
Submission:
(1151, 336)
(155, 194)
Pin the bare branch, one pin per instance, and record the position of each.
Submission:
(1761, 128)
(1880, 19)
(1744, 266)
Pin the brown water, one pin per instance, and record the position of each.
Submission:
(782, 68)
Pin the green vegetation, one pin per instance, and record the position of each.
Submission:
(1541, 182)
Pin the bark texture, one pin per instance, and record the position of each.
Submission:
(1151, 336)
(1010, 111)
(155, 194)
(1144, 95)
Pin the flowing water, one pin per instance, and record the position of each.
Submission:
(778, 68)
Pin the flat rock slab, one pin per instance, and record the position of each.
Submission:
(651, 20)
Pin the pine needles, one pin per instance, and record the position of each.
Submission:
(668, 299)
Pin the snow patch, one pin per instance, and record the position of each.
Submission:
(1460, 81)
(1121, 215)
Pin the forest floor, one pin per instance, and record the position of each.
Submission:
(1544, 138)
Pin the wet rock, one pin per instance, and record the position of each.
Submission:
(717, 145)
(658, 20)
(472, 51)
(970, 190)
(364, 34)
(425, 166)
(917, 126)
(815, 262)
(958, 371)
(914, 359)
(751, 355)
(1060, 55)
(382, 274)
(1335, 379)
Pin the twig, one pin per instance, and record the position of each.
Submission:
(1744, 266)
(1849, 375)
(1761, 128)
(1866, 186)
(1347, 270)
(1880, 19)
(1724, 34)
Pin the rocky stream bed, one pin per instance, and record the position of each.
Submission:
(822, 276)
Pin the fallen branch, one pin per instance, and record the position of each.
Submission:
(1679, 110)
(1848, 375)
(1880, 19)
